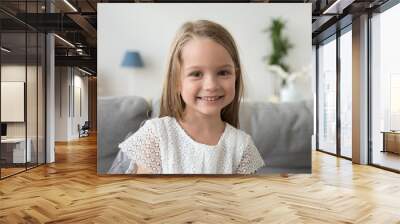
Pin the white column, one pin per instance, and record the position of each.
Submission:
(50, 94)
(360, 90)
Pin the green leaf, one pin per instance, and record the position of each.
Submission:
(280, 45)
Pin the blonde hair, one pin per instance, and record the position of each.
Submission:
(172, 103)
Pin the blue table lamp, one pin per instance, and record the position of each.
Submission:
(132, 59)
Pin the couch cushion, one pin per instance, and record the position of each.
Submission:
(117, 117)
(281, 132)
(155, 107)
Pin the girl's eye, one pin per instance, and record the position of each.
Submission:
(224, 73)
(195, 74)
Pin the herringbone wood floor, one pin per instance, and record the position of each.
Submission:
(70, 191)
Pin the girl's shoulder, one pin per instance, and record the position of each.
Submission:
(160, 121)
(237, 132)
(237, 137)
(161, 124)
(148, 128)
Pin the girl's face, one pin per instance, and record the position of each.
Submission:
(207, 77)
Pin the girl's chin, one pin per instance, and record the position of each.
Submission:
(210, 110)
(207, 110)
(210, 114)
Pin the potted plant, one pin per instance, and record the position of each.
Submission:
(294, 85)
(275, 61)
(280, 49)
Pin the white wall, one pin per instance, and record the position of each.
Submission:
(33, 126)
(80, 83)
(14, 72)
(61, 103)
(67, 80)
(150, 28)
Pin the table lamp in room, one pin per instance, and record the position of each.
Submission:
(132, 59)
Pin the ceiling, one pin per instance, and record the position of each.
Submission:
(76, 22)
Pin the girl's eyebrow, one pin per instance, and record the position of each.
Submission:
(192, 67)
(227, 65)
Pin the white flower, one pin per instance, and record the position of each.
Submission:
(276, 69)
(288, 77)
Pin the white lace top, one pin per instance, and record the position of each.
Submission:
(162, 146)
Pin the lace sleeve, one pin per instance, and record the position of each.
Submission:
(251, 160)
(142, 148)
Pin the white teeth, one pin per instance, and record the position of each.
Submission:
(210, 98)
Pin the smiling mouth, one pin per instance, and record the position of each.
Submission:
(209, 98)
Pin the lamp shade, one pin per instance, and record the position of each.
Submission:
(132, 59)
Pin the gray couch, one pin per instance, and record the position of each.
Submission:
(281, 132)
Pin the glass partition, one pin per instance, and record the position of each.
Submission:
(346, 94)
(385, 89)
(31, 100)
(41, 85)
(13, 108)
(327, 96)
(22, 77)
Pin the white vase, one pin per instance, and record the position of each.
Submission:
(289, 93)
(297, 89)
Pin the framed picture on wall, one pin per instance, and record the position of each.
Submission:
(12, 101)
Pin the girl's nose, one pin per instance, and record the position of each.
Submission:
(210, 82)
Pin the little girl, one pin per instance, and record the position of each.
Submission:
(197, 132)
